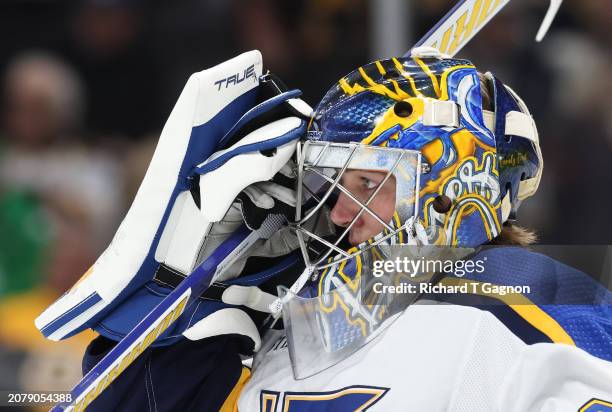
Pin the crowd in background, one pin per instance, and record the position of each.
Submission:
(87, 85)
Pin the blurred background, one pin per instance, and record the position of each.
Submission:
(87, 85)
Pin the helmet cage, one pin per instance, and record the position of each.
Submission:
(325, 163)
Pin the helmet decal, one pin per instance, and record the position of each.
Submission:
(457, 170)
(433, 107)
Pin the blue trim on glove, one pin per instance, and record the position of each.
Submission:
(75, 311)
(293, 134)
(257, 111)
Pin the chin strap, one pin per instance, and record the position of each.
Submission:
(276, 307)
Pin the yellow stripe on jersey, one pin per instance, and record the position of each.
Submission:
(526, 309)
(231, 402)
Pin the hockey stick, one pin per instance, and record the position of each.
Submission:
(164, 314)
(467, 18)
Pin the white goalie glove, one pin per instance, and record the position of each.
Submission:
(232, 128)
(252, 206)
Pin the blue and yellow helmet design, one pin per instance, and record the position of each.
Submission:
(481, 162)
(462, 164)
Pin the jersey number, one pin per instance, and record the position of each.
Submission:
(351, 398)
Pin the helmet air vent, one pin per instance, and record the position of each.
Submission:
(402, 109)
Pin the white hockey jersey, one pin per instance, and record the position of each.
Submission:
(438, 357)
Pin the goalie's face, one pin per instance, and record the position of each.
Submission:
(362, 184)
(353, 193)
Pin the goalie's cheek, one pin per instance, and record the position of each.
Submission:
(383, 205)
(370, 226)
(344, 211)
(367, 226)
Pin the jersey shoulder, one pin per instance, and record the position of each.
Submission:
(558, 303)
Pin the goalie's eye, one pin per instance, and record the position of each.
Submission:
(369, 184)
(362, 183)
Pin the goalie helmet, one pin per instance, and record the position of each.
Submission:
(460, 170)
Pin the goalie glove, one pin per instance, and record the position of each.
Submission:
(276, 196)
(230, 128)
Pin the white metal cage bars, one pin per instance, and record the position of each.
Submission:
(335, 183)
(298, 210)
(363, 206)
